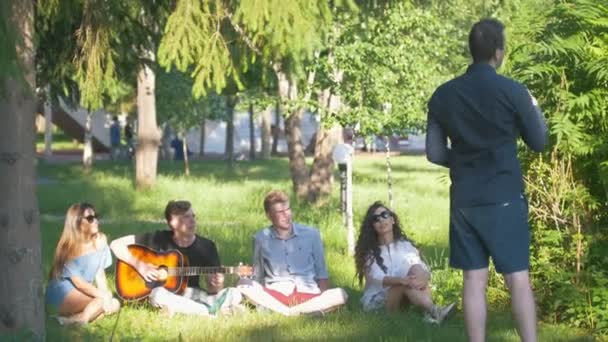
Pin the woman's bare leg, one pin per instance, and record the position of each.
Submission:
(395, 298)
(79, 308)
(420, 298)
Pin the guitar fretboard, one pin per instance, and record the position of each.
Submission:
(194, 270)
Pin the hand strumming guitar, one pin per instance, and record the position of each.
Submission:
(148, 271)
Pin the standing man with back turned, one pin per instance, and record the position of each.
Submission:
(483, 113)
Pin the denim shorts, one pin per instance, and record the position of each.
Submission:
(500, 231)
(57, 290)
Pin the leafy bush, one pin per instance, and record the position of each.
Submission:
(561, 55)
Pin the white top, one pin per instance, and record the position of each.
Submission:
(398, 257)
(343, 153)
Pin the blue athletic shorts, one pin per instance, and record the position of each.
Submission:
(500, 231)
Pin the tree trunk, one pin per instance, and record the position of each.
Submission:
(48, 124)
(87, 151)
(251, 133)
(295, 150)
(321, 174)
(185, 151)
(148, 136)
(277, 129)
(229, 150)
(288, 91)
(201, 152)
(21, 305)
(166, 150)
(266, 121)
(389, 177)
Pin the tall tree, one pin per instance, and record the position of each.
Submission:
(114, 50)
(21, 306)
(140, 35)
(266, 133)
(288, 48)
(148, 135)
(282, 34)
(231, 101)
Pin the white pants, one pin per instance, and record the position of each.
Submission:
(195, 301)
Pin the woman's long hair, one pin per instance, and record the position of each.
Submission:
(367, 249)
(72, 238)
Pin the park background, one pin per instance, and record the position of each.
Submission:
(367, 65)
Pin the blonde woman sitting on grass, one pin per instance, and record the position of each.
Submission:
(81, 257)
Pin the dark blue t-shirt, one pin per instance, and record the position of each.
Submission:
(115, 134)
(482, 113)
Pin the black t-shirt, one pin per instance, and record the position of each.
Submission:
(202, 252)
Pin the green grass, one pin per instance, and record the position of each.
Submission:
(229, 210)
(61, 142)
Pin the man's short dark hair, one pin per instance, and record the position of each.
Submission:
(176, 208)
(486, 36)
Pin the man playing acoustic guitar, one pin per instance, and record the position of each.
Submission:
(198, 252)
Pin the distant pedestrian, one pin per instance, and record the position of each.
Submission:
(129, 139)
(115, 138)
(178, 145)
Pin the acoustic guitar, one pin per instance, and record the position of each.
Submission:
(174, 270)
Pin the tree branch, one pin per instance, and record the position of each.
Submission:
(243, 34)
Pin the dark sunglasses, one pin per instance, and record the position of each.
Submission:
(91, 218)
(385, 214)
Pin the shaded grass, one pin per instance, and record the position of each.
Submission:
(228, 204)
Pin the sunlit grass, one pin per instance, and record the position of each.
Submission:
(229, 210)
(60, 142)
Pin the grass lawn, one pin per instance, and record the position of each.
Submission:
(229, 210)
(61, 142)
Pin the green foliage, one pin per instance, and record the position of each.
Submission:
(291, 29)
(175, 103)
(561, 56)
(95, 66)
(89, 51)
(394, 58)
(195, 37)
(393, 55)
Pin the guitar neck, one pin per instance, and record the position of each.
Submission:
(194, 270)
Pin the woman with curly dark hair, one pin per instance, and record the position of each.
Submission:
(391, 265)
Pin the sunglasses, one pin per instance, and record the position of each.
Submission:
(385, 214)
(91, 218)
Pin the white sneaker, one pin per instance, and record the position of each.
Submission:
(439, 313)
